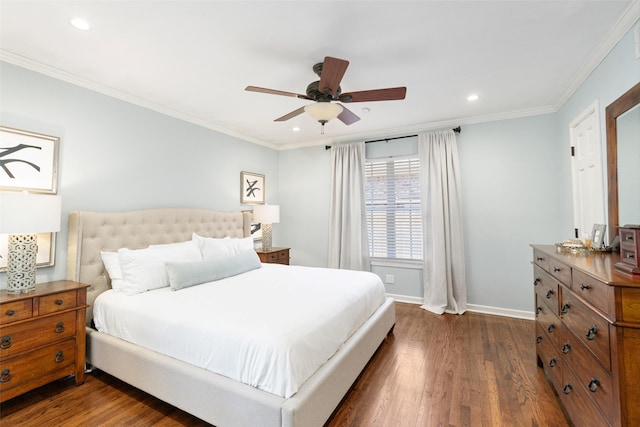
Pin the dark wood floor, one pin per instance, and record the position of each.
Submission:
(469, 370)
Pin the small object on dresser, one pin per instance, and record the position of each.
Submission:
(629, 250)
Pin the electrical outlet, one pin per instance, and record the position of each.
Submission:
(390, 279)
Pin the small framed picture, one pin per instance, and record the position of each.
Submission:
(28, 161)
(251, 188)
(597, 236)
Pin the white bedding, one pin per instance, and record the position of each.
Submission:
(270, 328)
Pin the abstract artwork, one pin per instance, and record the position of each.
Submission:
(251, 188)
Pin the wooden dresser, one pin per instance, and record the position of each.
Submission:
(42, 336)
(274, 256)
(588, 334)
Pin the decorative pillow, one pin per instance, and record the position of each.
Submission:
(185, 274)
(112, 265)
(144, 269)
(212, 248)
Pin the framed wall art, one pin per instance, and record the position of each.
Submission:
(251, 188)
(46, 256)
(28, 161)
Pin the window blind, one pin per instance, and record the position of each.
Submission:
(392, 197)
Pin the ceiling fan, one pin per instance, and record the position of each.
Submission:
(327, 91)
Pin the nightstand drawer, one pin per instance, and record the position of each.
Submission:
(16, 310)
(27, 336)
(57, 302)
(274, 256)
(18, 374)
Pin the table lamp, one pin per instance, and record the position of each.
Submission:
(266, 215)
(22, 215)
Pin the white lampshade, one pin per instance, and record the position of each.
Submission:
(266, 214)
(323, 111)
(22, 213)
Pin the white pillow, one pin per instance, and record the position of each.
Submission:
(144, 269)
(213, 248)
(111, 263)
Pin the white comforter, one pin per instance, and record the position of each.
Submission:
(270, 328)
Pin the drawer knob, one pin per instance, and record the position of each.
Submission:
(584, 287)
(59, 327)
(556, 269)
(10, 312)
(538, 310)
(593, 384)
(591, 333)
(59, 356)
(540, 258)
(566, 347)
(538, 339)
(549, 293)
(552, 362)
(5, 376)
(565, 308)
(567, 388)
(59, 302)
(6, 342)
(535, 282)
(551, 328)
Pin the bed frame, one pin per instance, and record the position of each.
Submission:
(209, 396)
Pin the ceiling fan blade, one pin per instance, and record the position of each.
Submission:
(290, 115)
(333, 70)
(347, 116)
(389, 94)
(275, 92)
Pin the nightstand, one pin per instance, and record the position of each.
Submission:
(43, 336)
(274, 256)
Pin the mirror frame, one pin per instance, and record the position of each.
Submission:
(627, 101)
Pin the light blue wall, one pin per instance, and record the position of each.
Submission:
(118, 156)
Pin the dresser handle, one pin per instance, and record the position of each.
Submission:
(535, 282)
(567, 388)
(566, 347)
(59, 356)
(538, 339)
(556, 269)
(5, 376)
(552, 362)
(59, 327)
(6, 342)
(540, 258)
(59, 302)
(551, 328)
(591, 333)
(10, 312)
(593, 384)
(565, 308)
(584, 287)
(549, 293)
(538, 310)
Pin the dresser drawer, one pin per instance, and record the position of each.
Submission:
(16, 310)
(576, 401)
(549, 323)
(560, 271)
(541, 259)
(595, 292)
(546, 288)
(57, 302)
(38, 333)
(550, 356)
(591, 329)
(21, 373)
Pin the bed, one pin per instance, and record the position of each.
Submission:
(215, 398)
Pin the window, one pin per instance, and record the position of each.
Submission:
(392, 198)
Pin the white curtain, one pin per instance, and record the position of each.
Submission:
(444, 266)
(348, 243)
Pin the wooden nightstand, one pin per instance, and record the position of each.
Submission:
(274, 256)
(42, 336)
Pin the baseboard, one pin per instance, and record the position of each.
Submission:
(475, 308)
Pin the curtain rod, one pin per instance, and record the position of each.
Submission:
(456, 130)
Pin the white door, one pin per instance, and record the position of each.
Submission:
(586, 169)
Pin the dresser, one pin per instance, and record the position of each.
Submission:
(42, 336)
(274, 256)
(588, 334)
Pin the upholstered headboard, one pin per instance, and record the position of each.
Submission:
(93, 232)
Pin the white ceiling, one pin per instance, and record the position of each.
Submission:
(193, 59)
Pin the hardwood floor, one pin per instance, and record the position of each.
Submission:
(469, 370)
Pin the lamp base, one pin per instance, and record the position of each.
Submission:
(21, 263)
(266, 237)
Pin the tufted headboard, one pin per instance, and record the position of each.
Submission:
(93, 232)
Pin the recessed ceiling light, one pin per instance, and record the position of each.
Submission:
(296, 129)
(80, 24)
(473, 97)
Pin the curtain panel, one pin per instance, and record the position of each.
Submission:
(444, 263)
(348, 242)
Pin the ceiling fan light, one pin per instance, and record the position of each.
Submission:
(323, 111)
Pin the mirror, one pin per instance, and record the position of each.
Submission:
(623, 160)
